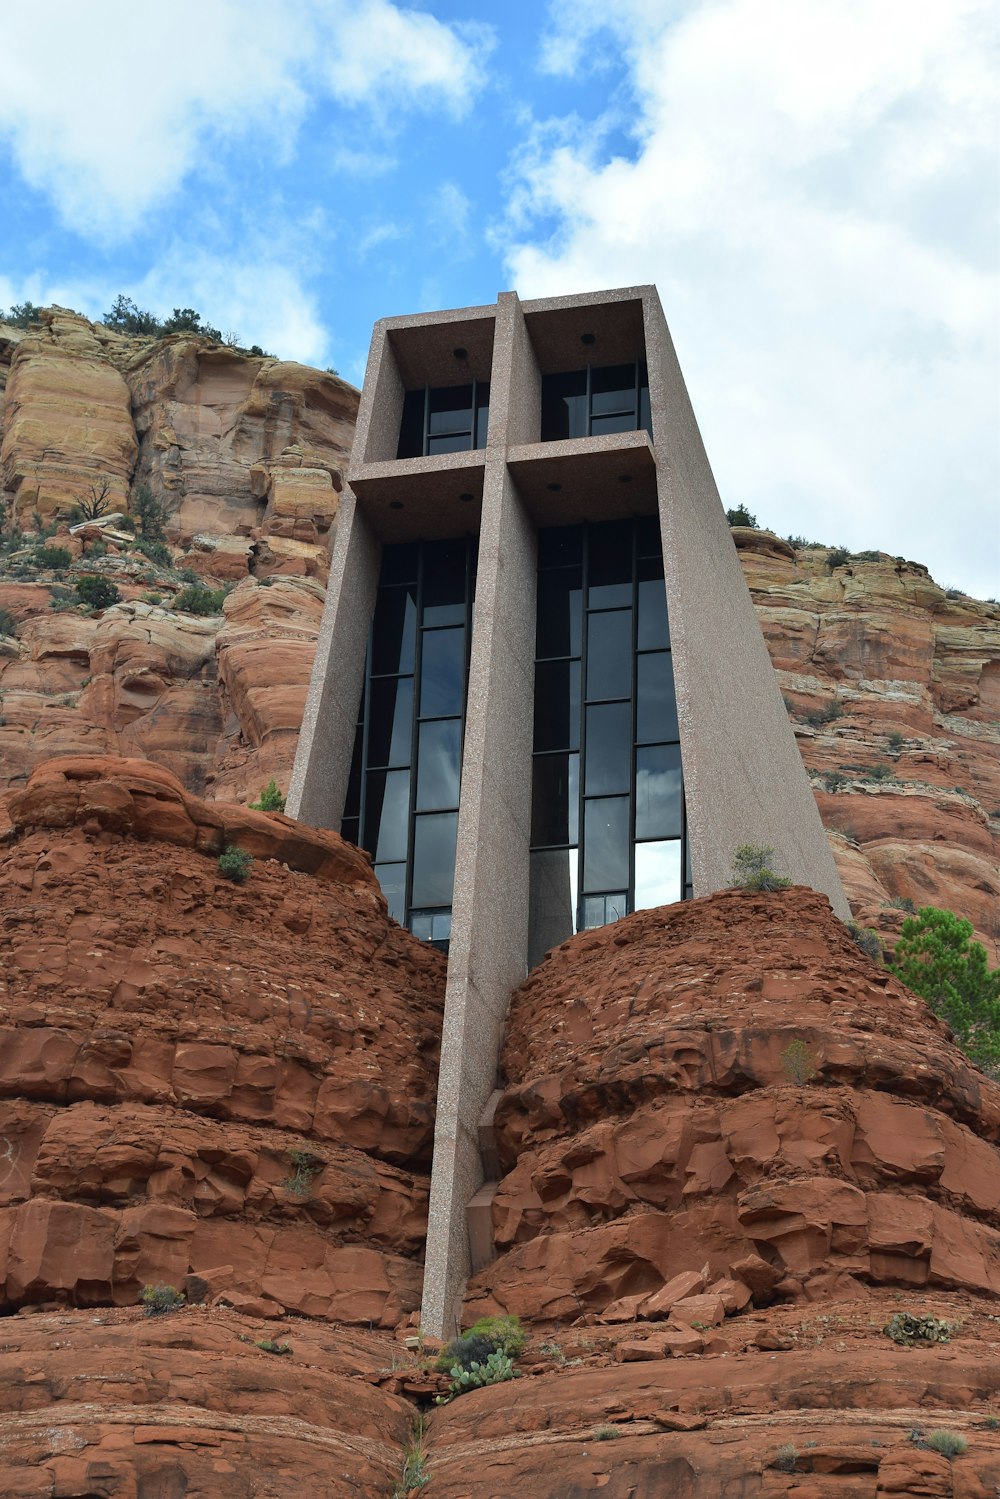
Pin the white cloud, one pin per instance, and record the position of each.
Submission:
(811, 187)
(110, 105)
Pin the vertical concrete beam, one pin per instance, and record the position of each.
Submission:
(322, 766)
(516, 384)
(376, 436)
(744, 780)
(489, 929)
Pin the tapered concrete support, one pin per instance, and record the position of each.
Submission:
(489, 930)
(743, 775)
(322, 767)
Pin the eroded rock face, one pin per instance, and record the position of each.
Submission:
(728, 1082)
(199, 1078)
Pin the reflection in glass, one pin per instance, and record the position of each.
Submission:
(599, 910)
(432, 926)
(392, 878)
(564, 406)
(609, 655)
(552, 897)
(439, 761)
(656, 711)
(657, 874)
(387, 808)
(659, 808)
(450, 410)
(442, 673)
(444, 583)
(433, 858)
(559, 613)
(652, 631)
(610, 576)
(557, 705)
(608, 758)
(390, 725)
(394, 630)
(555, 798)
(605, 843)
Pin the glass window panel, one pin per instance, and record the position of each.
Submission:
(659, 805)
(612, 388)
(352, 804)
(442, 674)
(390, 723)
(387, 812)
(450, 409)
(605, 843)
(552, 897)
(557, 705)
(399, 563)
(444, 583)
(610, 556)
(645, 414)
(453, 442)
(652, 632)
(657, 874)
(564, 406)
(599, 910)
(560, 598)
(647, 536)
(560, 546)
(656, 711)
(555, 799)
(349, 829)
(394, 631)
(482, 413)
(608, 756)
(411, 430)
(623, 422)
(439, 764)
(432, 926)
(609, 654)
(434, 858)
(392, 878)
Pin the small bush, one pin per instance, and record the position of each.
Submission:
(271, 1345)
(820, 716)
(752, 870)
(867, 939)
(307, 1166)
(833, 780)
(8, 624)
(271, 799)
(496, 1370)
(606, 1432)
(53, 559)
(99, 593)
(156, 551)
(901, 903)
(906, 1329)
(741, 516)
(235, 864)
(488, 1335)
(837, 557)
(881, 772)
(870, 556)
(465, 1351)
(896, 740)
(948, 1443)
(954, 593)
(196, 599)
(786, 1457)
(150, 514)
(799, 1063)
(157, 1301)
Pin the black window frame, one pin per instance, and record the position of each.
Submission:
(417, 412)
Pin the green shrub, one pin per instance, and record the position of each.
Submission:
(870, 556)
(906, 1329)
(235, 864)
(837, 557)
(896, 740)
(196, 599)
(8, 624)
(881, 772)
(498, 1368)
(465, 1351)
(488, 1335)
(99, 593)
(799, 1063)
(786, 1457)
(867, 939)
(271, 1345)
(54, 559)
(752, 870)
(834, 781)
(741, 516)
(23, 314)
(156, 551)
(901, 903)
(157, 1301)
(948, 1443)
(149, 512)
(937, 958)
(606, 1432)
(307, 1166)
(271, 799)
(820, 716)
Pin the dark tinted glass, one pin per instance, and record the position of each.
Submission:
(352, 805)
(411, 431)
(399, 563)
(390, 723)
(609, 654)
(612, 389)
(438, 764)
(656, 711)
(606, 844)
(394, 631)
(349, 829)
(608, 748)
(434, 858)
(645, 415)
(557, 705)
(554, 799)
(482, 413)
(442, 674)
(647, 537)
(658, 792)
(559, 612)
(444, 583)
(601, 425)
(564, 406)
(610, 576)
(599, 910)
(432, 926)
(392, 878)
(387, 807)
(450, 410)
(560, 546)
(651, 629)
(454, 442)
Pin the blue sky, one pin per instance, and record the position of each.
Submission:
(812, 184)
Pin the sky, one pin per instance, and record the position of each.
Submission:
(811, 184)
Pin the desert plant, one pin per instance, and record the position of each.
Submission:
(196, 599)
(149, 512)
(895, 741)
(97, 501)
(498, 1368)
(505, 1333)
(833, 780)
(22, 315)
(8, 624)
(880, 772)
(271, 1345)
(867, 938)
(937, 958)
(836, 557)
(607, 1431)
(824, 715)
(752, 870)
(786, 1457)
(156, 551)
(415, 1474)
(906, 1329)
(901, 903)
(741, 516)
(235, 864)
(948, 1443)
(270, 800)
(99, 593)
(306, 1167)
(158, 1300)
(53, 559)
(799, 1063)
(869, 556)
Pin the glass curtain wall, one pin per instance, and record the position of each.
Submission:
(444, 419)
(599, 399)
(402, 801)
(607, 811)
